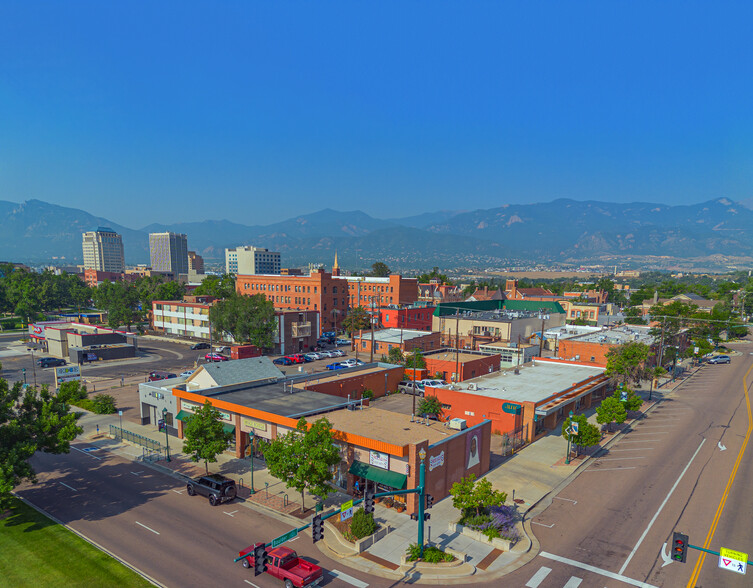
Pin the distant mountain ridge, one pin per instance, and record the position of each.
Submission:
(36, 232)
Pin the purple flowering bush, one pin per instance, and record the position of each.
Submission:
(498, 521)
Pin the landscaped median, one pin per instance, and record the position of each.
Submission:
(36, 551)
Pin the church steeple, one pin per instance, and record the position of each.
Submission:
(335, 267)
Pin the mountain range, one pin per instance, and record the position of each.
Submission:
(559, 231)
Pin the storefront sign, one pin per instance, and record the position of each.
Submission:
(379, 460)
(254, 424)
(511, 408)
(68, 373)
(193, 407)
(436, 461)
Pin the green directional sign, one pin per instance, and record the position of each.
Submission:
(286, 537)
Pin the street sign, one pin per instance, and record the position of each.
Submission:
(345, 515)
(346, 505)
(623, 396)
(734, 561)
(286, 537)
(574, 428)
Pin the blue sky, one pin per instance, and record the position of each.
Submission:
(148, 112)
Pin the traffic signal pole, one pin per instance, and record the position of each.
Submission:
(421, 505)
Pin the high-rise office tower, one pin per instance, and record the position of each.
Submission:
(103, 250)
(251, 260)
(169, 252)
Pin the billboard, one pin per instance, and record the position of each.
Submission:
(67, 373)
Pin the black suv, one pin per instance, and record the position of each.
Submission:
(218, 488)
(200, 346)
(50, 362)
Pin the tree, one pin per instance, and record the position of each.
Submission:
(356, 320)
(626, 363)
(218, 286)
(634, 401)
(588, 434)
(415, 360)
(430, 405)
(434, 274)
(394, 356)
(31, 420)
(305, 458)
(246, 318)
(205, 436)
(470, 497)
(380, 270)
(610, 410)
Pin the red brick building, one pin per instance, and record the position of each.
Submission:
(408, 317)
(457, 366)
(404, 339)
(395, 289)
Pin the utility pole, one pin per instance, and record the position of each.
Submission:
(661, 343)
(371, 355)
(541, 340)
(457, 345)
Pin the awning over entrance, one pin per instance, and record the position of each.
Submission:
(183, 415)
(378, 475)
(228, 428)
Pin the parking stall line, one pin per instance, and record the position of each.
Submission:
(147, 528)
(618, 458)
(641, 449)
(86, 453)
(608, 469)
(69, 487)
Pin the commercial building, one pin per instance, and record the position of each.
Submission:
(168, 252)
(186, 318)
(369, 291)
(195, 263)
(415, 316)
(510, 354)
(82, 343)
(592, 348)
(251, 260)
(297, 331)
(103, 250)
(94, 277)
(404, 339)
(457, 366)
(526, 402)
(435, 292)
(469, 325)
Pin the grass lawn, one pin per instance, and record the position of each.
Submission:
(36, 551)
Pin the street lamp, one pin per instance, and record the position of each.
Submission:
(421, 500)
(569, 437)
(167, 443)
(252, 460)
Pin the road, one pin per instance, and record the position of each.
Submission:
(148, 520)
(609, 525)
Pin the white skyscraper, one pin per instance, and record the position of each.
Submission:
(103, 250)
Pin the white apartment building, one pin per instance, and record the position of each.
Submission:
(248, 260)
(168, 252)
(103, 250)
(186, 319)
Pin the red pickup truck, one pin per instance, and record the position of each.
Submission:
(284, 564)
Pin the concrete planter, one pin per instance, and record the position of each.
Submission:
(342, 544)
(499, 543)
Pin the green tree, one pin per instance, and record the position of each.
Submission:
(588, 434)
(395, 356)
(634, 401)
(626, 363)
(248, 319)
(434, 274)
(204, 436)
(356, 320)
(430, 405)
(415, 360)
(610, 411)
(380, 270)
(471, 497)
(103, 404)
(31, 420)
(305, 458)
(218, 286)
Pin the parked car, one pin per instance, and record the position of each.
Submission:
(323, 341)
(313, 356)
(222, 349)
(284, 564)
(336, 366)
(187, 373)
(433, 383)
(720, 359)
(296, 358)
(409, 387)
(325, 354)
(336, 353)
(216, 487)
(339, 342)
(155, 376)
(200, 346)
(215, 357)
(349, 363)
(282, 361)
(46, 362)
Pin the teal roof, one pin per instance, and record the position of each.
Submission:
(452, 308)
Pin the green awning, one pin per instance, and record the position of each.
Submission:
(378, 475)
(228, 428)
(183, 415)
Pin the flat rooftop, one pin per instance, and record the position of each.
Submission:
(534, 383)
(388, 426)
(344, 374)
(394, 335)
(507, 345)
(620, 335)
(451, 355)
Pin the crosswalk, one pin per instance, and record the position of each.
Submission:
(543, 572)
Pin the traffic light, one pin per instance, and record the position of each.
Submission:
(679, 547)
(160, 425)
(260, 559)
(368, 501)
(427, 516)
(317, 529)
(413, 516)
(429, 501)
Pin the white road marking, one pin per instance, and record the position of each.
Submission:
(618, 458)
(349, 579)
(641, 449)
(641, 441)
(542, 524)
(138, 473)
(666, 499)
(86, 453)
(568, 499)
(147, 528)
(252, 584)
(608, 469)
(177, 491)
(538, 577)
(67, 486)
(721, 447)
(293, 539)
(573, 582)
(595, 570)
(634, 434)
(230, 514)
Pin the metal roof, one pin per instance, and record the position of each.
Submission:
(237, 371)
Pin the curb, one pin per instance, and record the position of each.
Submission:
(131, 567)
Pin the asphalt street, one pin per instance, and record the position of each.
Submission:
(148, 520)
(610, 524)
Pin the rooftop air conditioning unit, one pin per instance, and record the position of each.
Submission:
(457, 424)
(472, 387)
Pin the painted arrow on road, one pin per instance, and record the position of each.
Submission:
(720, 446)
(665, 555)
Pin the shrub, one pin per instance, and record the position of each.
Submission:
(72, 391)
(367, 394)
(363, 524)
(103, 404)
(432, 554)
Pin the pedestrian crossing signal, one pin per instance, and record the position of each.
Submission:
(679, 547)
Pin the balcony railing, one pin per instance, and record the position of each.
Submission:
(301, 329)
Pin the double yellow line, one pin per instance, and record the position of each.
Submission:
(720, 508)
